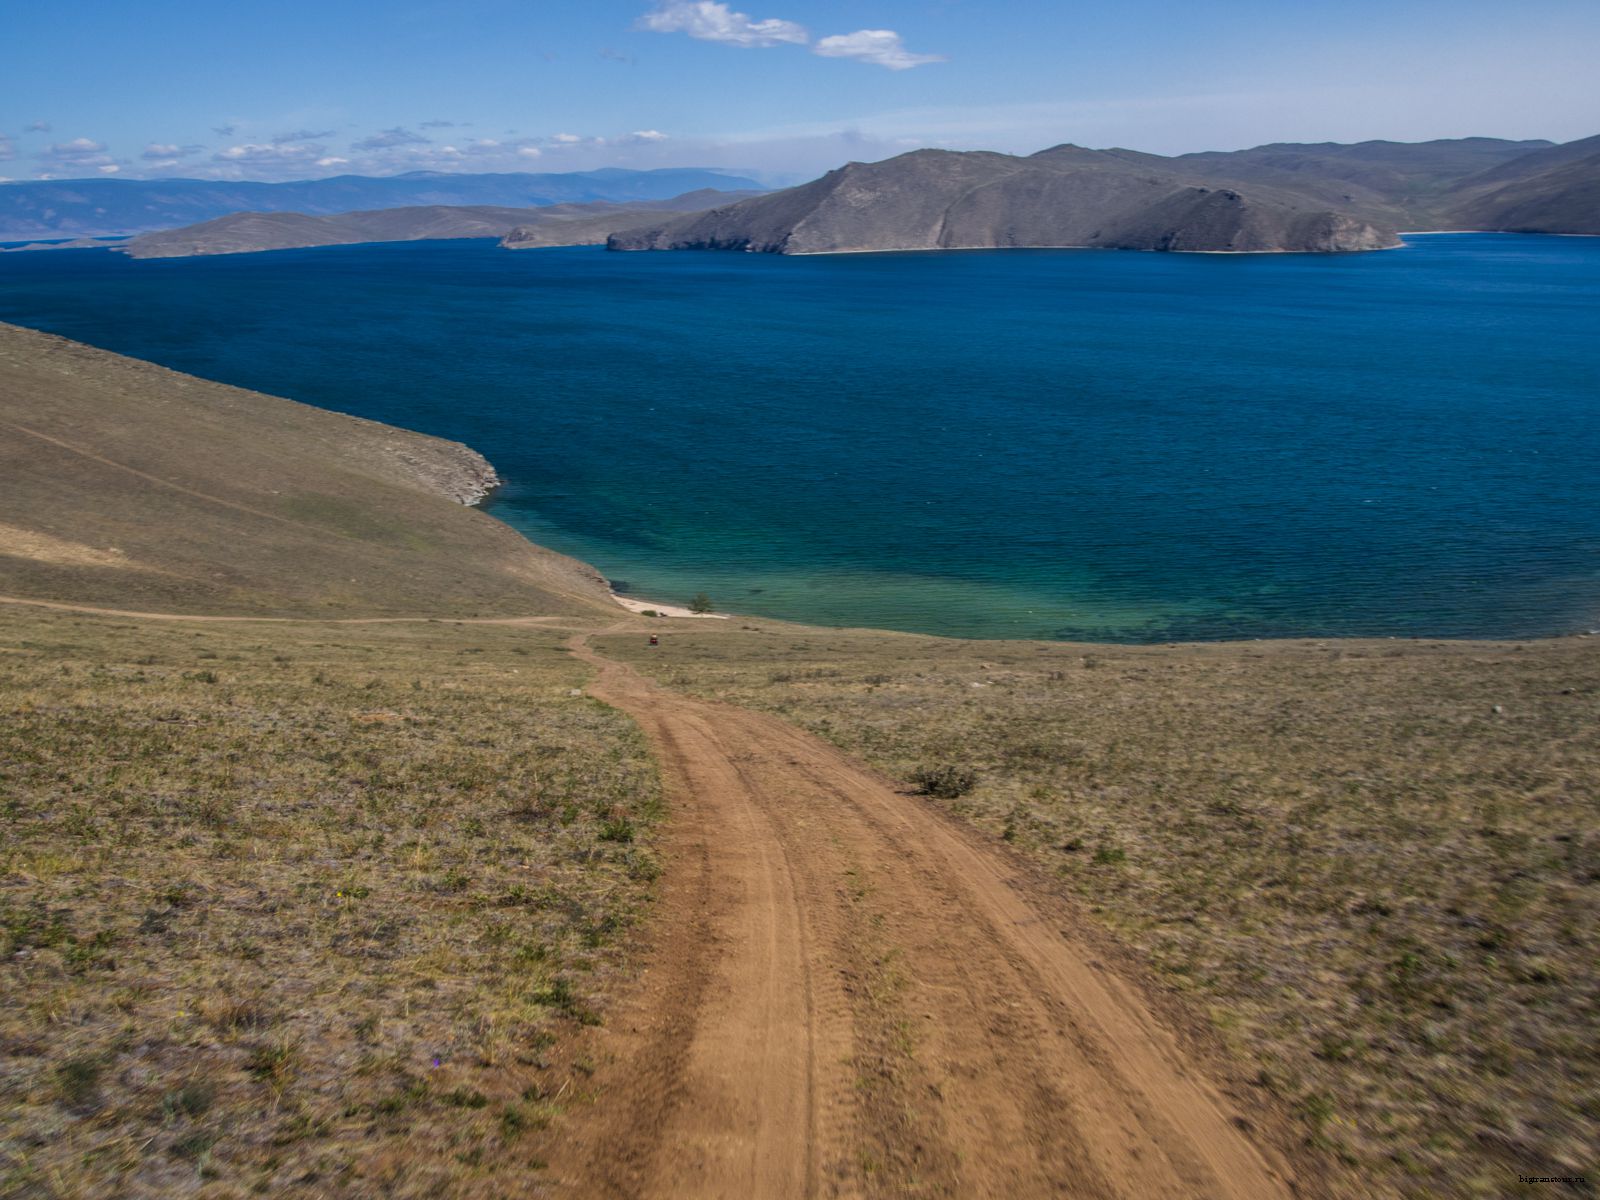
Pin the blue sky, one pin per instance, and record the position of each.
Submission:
(786, 88)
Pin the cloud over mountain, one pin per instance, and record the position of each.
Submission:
(78, 156)
(259, 155)
(77, 150)
(167, 153)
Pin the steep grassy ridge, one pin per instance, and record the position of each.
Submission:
(126, 485)
(1376, 864)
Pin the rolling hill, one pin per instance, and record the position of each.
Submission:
(1556, 190)
(556, 225)
(135, 487)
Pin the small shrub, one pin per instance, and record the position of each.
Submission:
(557, 993)
(1335, 1048)
(272, 1063)
(233, 1014)
(78, 1080)
(191, 1100)
(643, 867)
(701, 603)
(195, 1146)
(945, 782)
(466, 1098)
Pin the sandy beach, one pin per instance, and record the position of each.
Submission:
(665, 610)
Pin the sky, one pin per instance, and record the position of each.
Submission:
(781, 89)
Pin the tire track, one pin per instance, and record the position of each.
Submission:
(881, 1009)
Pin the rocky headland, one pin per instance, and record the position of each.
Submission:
(1284, 199)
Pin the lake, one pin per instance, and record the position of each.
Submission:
(1057, 444)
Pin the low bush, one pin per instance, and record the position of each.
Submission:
(945, 782)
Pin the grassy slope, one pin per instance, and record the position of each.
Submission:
(301, 909)
(255, 878)
(164, 492)
(286, 908)
(1377, 865)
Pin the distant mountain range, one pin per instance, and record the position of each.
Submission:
(552, 225)
(1284, 197)
(97, 207)
(1320, 197)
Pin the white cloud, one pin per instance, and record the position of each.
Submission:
(566, 139)
(38, 127)
(647, 135)
(77, 156)
(7, 149)
(883, 47)
(257, 154)
(332, 161)
(77, 148)
(529, 152)
(163, 156)
(109, 168)
(712, 21)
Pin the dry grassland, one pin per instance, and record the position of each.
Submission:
(1375, 865)
(302, 910)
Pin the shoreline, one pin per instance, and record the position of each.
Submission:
(469, 479)
(642, 607)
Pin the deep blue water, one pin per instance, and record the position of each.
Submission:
(1071, 444)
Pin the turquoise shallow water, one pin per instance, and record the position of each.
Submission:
(1068, 444)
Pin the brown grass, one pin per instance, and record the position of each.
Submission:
(1375, 865)
(302, 910)
(126, 486)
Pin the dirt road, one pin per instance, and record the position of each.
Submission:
(848, 996)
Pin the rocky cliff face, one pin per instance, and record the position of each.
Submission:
(448, 469)
(1067, 197)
